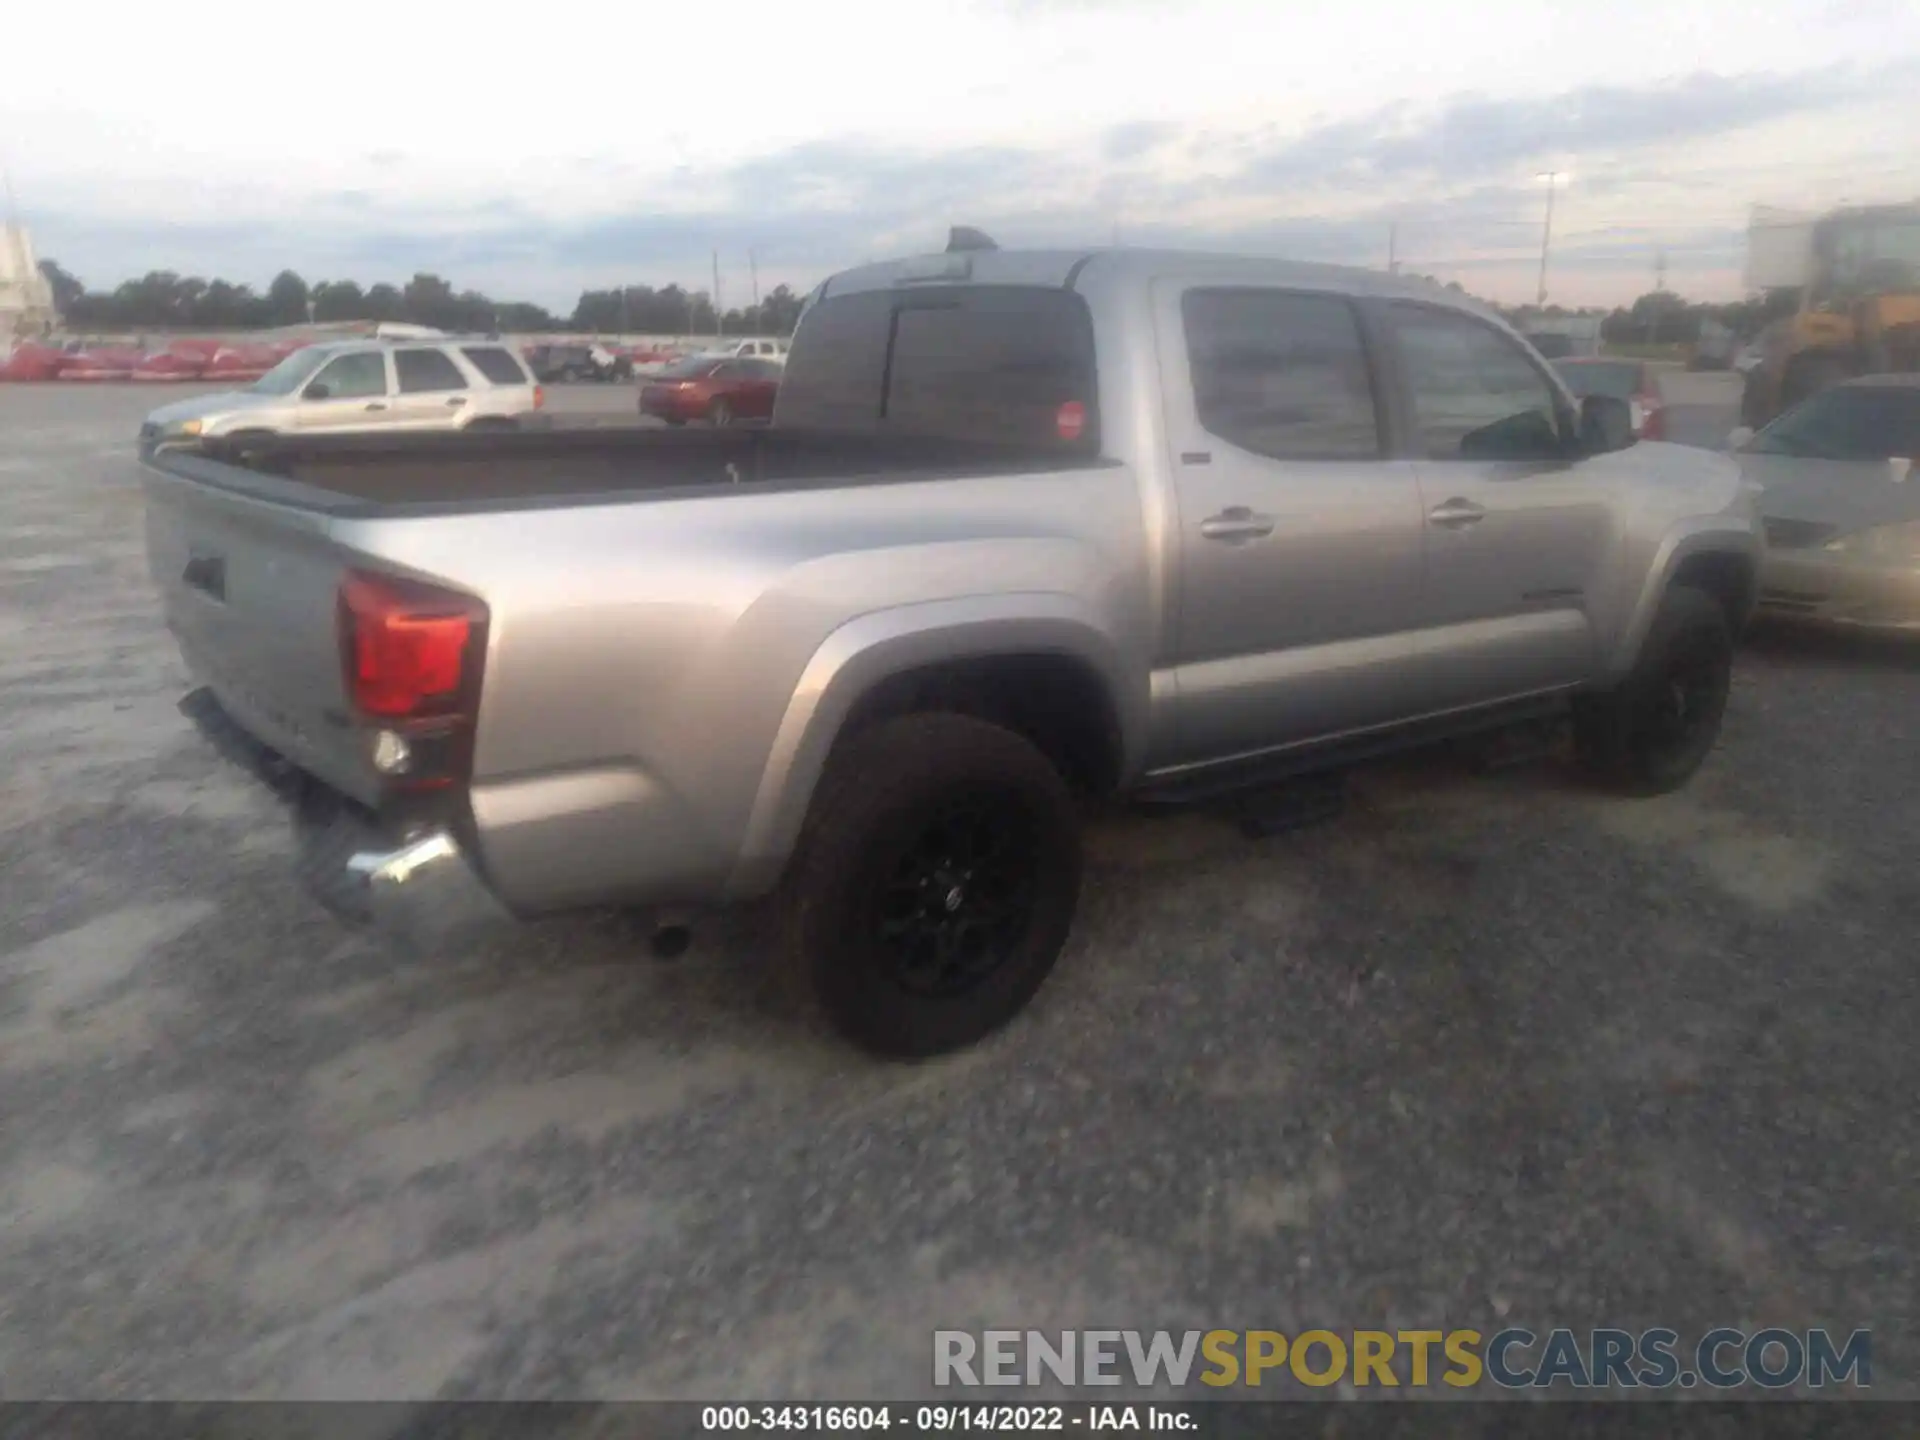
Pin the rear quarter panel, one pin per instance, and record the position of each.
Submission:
(663, 678)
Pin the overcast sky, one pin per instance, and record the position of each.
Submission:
(532, 151)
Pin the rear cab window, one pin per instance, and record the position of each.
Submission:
(1005, 363)
(498, 365)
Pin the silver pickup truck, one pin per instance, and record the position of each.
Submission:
(1028, 528)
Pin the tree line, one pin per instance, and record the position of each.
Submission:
(162, 299)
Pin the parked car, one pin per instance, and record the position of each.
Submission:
(358, 386)
(774, 350)
(1028, 529)
(171, 365)
(719, 392)
(1838, 478)
(103, 364)
(559, 364)
(1633, 381)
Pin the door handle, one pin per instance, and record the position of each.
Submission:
(377, 405)
(1457, 514)
(458, 400)
(1236, 522)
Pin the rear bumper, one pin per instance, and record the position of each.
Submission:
(414, 884)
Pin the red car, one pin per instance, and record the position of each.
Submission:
(182, 360)
(103, 365)
(711, 388)
(1633, 381)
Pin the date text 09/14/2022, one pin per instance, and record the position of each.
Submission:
(944, 1419)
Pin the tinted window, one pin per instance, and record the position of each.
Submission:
(1850, 422)
(1619, 378)
(420, 370)
(1476, 395)
(964, 362)
(355, 376)
(1553, 347)
(765, 370)
(1281, 375)
(498, 366)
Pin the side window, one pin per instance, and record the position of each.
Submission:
(497, 365)
(426, 370)
(1281, 374)
(359, 376)
(1476, 396)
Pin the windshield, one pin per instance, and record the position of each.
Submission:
(1620, 379)
(1849, 422)
(291, 373)
(1874, 255)
(689, 369)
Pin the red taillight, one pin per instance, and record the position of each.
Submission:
(407, 647)
(539, 397)
(1653, 424)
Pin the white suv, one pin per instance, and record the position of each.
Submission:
(362, 386)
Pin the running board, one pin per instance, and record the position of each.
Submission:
(1213, 782)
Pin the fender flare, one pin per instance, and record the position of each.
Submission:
(1702, 536)
(871, 648)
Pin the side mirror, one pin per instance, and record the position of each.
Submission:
(1738, 437)
(1606, 424)
(315, 391)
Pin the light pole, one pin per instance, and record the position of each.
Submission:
(1546, 234)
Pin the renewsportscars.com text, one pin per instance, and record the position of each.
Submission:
(1721, 1359)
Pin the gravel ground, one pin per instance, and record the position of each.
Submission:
(1482, 1051)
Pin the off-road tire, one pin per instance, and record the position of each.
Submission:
(883, 793)
(1627, 739)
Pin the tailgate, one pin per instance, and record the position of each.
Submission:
(250, 589)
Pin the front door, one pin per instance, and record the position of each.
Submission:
(1517, 524)
(1299, 541)
(350, 392)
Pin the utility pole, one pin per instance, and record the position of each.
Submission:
(753, 270)
(719, 324)
(1659, 288)
(1552, 178)
(1393, 248)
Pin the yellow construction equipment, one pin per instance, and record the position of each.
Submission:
(1858, 272)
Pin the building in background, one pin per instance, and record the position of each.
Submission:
(26, 299)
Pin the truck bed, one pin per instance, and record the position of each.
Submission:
(362, 475)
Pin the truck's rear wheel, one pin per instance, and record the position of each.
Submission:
(934, 885)
(1651, 733)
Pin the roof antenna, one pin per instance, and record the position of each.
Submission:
(965, 237)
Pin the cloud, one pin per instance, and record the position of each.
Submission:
(1455, 176)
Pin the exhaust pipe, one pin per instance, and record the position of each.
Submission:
(672, 936)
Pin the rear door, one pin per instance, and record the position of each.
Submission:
(1517, 525)
(1299, 538)
(432, 391)
(352, 391)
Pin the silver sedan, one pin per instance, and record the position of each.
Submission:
(1838, 482)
